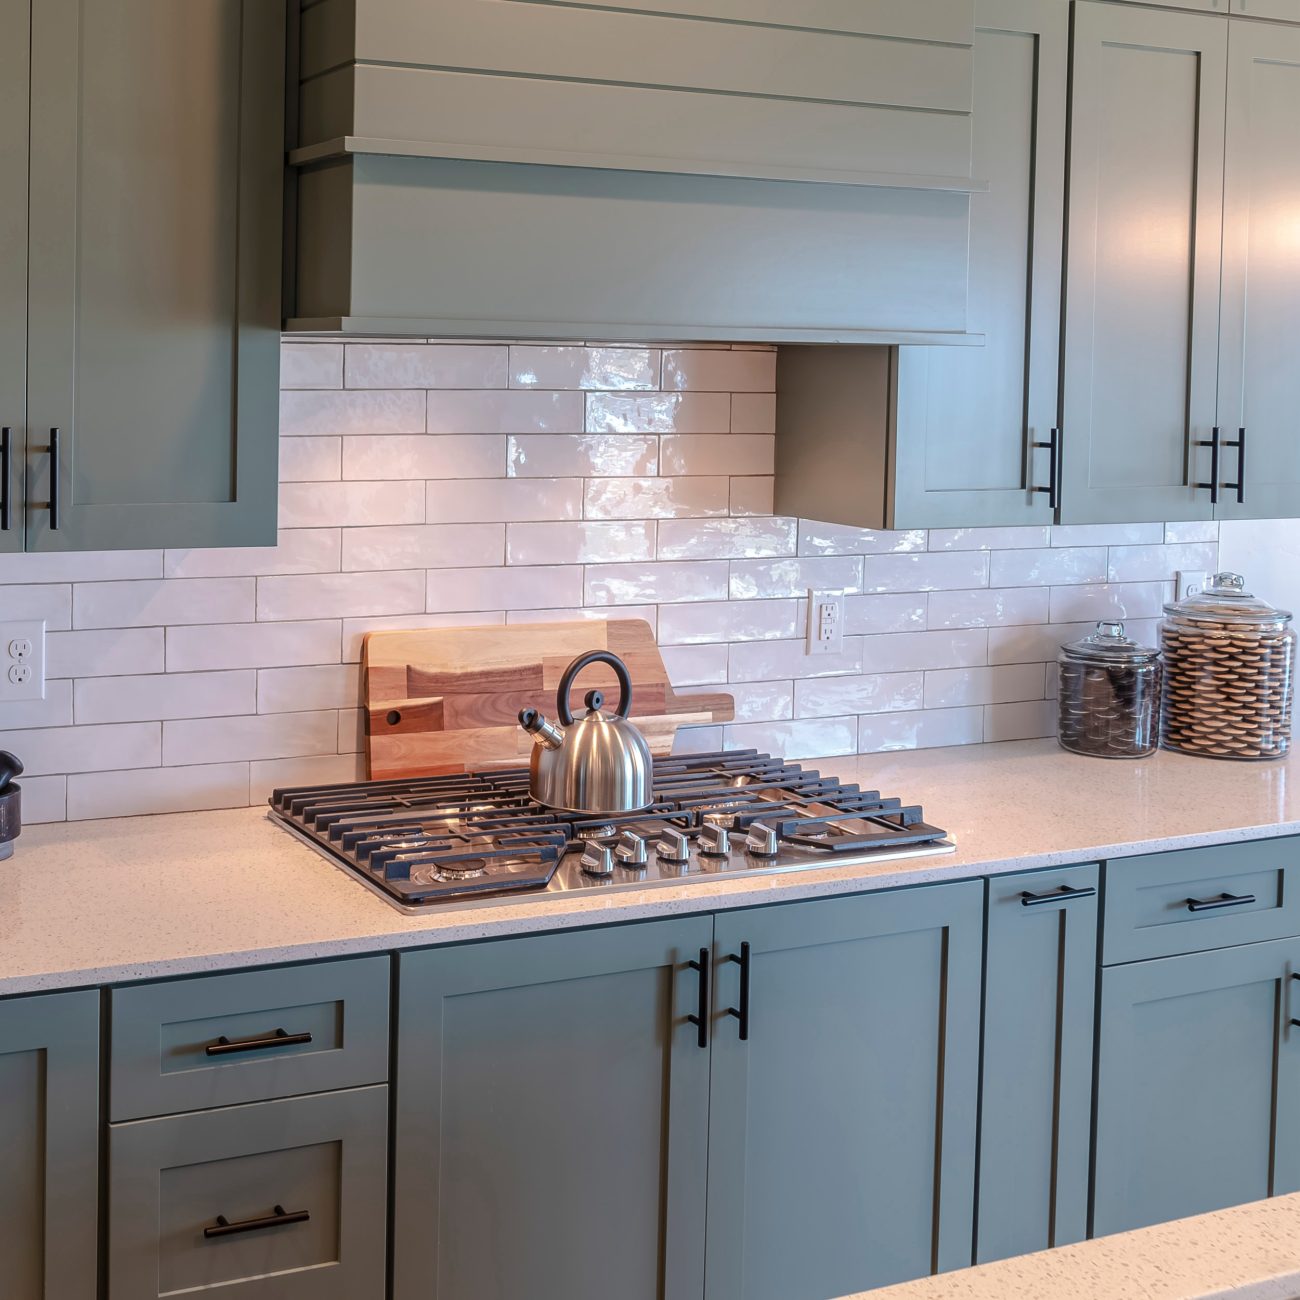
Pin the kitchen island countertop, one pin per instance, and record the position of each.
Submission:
(103, 902)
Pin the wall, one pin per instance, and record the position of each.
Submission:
(445, 484)
(1267, 553)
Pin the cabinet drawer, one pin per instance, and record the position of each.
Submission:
(193, 1201)
(1197, 899)
(227, 1039)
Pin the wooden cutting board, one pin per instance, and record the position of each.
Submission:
(442, 700)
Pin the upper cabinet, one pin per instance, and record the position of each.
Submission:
(14, 38)
(152, 269)
(735, 169)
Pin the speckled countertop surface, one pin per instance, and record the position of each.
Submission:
(1250, 1252)
(102, 902)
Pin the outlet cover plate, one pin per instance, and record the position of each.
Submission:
(22, 662)
(826, 622)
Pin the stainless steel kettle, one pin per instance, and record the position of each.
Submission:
(597, 764)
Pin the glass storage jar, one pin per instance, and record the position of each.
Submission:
(1109, 695)
(1229, 670)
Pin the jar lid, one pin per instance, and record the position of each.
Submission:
(1226, 600)
(1108, 643)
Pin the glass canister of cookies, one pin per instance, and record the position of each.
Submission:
(1229, 673)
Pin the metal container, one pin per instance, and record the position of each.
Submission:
(1229, 673)
(1109, 695)
(11, 803)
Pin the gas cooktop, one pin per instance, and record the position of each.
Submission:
(479, 838)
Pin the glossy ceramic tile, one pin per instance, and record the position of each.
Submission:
(669, 583)
(339, 595)
(791, 576)
(1123, 600)
(535, 587)
(582, 455)
(410, 457)
(311, 365)
(579, 543)
(992, 608)
(300, 550)
(717, 453)
(836, 539)
(753, 413)
(656, 498)
(350, 505)
(749, 621)
(167, 602)
(1054, 566)
(923, 729)
(863, 693)
(421, 365)
(659, 413)
(989, 539)
(752, 496)
(250, 645)
(1161, 563)
(505, 412)
(948, 688)
(608, 369)
(155, 696)
(719, 372)
(467, 501)
(311, 459)
(929, 571)
(333, 413)
(722, 539)
(898, 612)
(423, 546)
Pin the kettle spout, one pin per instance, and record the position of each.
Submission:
(543, 732)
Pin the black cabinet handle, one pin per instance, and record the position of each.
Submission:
(1223, 900)
(279, 1218)
(1294, 1021)
(741, 1012)
(701, 1021)
(54, 480)
(6, 477)
(1053, 449)
(1240, 485)
(281, 1038)
(1214, 443)
(1062, 895)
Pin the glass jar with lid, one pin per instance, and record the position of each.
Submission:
(1109, 695)
(1229, 673)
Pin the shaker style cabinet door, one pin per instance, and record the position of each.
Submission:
(966, 418)
(842, 1129)
(1259, 350)
(49, 1136)
(551, 1120)
(156, 192)
(1143, 261)
(14, 40)
(1036, 1110)
(1197, 1062)
(1286, 10)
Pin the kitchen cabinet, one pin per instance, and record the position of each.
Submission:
(1204, 6)
(842, 1123)
(1143, 262)
(14, 37)
(1286, 10)
(965, 420)
(153, 271)
(552, 1117)
(1036, 1108)
(1198, 1067)
(49, 1133)
(1259, 380)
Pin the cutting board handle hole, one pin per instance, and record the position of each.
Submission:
(394, 717)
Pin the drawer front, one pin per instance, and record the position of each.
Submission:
(1198, 899)
(283, 1200)
(228, 1039)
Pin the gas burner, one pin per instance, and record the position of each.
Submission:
(597, 831)
(468, 869)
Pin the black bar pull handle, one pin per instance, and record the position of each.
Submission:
(54, 480)
(279, 1218)
(1240, 485)
(1062, 895)
(281, 1038)
(1294, 1021)
(6, 478)
(1223, 900)
(701, 1021)
(741, 1012)
(1053, 448)
(1215, 444)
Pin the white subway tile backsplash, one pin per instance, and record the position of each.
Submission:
(808, 738)
(989, 539)
(752, 496)
(901, 651)
(300, 690)
(1028, 720)
(1161, 563)
(1192, 531)
(522, 587)
(927, 571)
(607, 455)
(49, 751)
(333, 413)
(717, 453)
(166, 602)
(515, 411)
(638, 584)
(311, 365)
(894, 612)
(423, 546)
(753, 413)
(50, 604)
(1108, 534)
(791, 576)
(157, 790)
(154, 696)
(658, 413)
(422, 365)
(45, 799)
(251, 645)
(754, 701)
(349, 505)
(300, 550)
(75, 566)
(1054, 566)
(579, 543)
(508, 499)
(696, 665)
(610, 369)
(693, 369)
(355, 629)
(110, 653)
(821, 697)
(768, 661)
(949, 688)
(339, 595)
(992, 608)
(54, 710)
(268, 735)
(656, 498)
(311, 459)
(1124, 600)
(753, 620)
(402, 458)
(923, 729)
(837, 539)
(726, 539)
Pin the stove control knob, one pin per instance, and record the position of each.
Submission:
(631, 850)
(762, 841)
(597, 860)
(715, 841)
(673, 846)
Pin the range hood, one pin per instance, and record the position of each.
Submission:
(767, 170)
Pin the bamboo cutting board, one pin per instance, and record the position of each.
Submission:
(442, 700)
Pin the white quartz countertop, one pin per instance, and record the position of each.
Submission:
(1250, 1252)
(102, 902)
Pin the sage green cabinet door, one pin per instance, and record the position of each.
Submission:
(156, 193)
(1142, 276)
(14, 39)
(1259, 353)
(49, 1134)
(1205, 6)
(552, 1118)
(842, 1130)
(965, 417)
(1193, 1052)
(1286, 10)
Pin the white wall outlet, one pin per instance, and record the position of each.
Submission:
(825, 622)
(1191, 582)
(22, 662)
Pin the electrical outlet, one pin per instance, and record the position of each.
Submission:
(825, 622)
(1191, 582)
(22, 662)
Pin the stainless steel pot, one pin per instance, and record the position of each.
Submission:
(11, 803)
(599, 763)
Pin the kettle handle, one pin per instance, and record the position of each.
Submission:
(585, 661)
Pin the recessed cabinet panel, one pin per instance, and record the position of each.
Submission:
(14, 27)
(1259, 364)
(1206, 6)
(1142, 299)
(155, 253)
(1286, 10)
(965, 418)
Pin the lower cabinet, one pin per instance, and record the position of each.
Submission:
(1198, 1073)
(1036, 1115)
(49, 1137)
(281, 1200)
